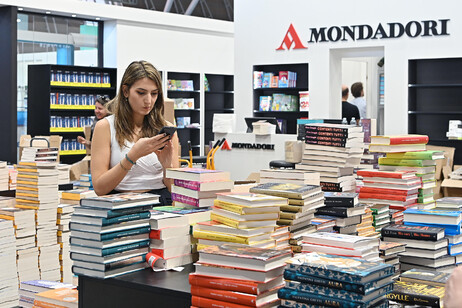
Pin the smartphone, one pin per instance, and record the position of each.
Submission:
(169, 130)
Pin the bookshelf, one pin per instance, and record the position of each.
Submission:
(435, 88)
(219, 98)
(182, 93)
(301, 84)
(61, 101)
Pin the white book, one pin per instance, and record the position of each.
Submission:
(340, 240)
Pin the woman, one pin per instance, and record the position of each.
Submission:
(128, 154)
(100, 113)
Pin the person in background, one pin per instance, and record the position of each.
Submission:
(348, 110)
(100, 113)
(128, 153)
(357, 90)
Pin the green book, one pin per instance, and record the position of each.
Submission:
(421, 155)
(405, 162)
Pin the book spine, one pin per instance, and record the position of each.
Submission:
(367, 174)
(385, 191)
(220, 237)
(333, 211)
(188, 184)
(203, 302)
(131, 217)
(400, 162)
(411, 155)
(224, 220)
(380, 196)
(185, 199)
(222, 295)
(314, 133)
(326, 143)
(224, 284)
(326, 129)
(119, 234)
(228, 206)
(410, 233)
(339, 201)
(327, 138)
(412, 299)
(310, 298)
(409, 140)
(113, 250)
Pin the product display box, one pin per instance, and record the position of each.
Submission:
(54, 141)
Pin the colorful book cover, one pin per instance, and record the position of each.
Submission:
(304, 100)
(405, 162)
(417, 294)
(266, 82)
(413, 232)
(120, 198)
(425, 277)
(257, 79)
(448, 229)
(401, 139)
(243, 252)
(65, 297)
(422, 155)
(266, 103)
(283, 79)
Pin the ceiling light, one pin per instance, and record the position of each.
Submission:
(18, 20)
(97, 18)
(47, 12)
(73, 15)
(20, 9)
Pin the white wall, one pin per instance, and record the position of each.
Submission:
(260, 26)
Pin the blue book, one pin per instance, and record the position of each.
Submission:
(448, 229)
(98, 221)
(455, 249)
(109, 251)
(347, 269)
(286, 303)
(433, 216)
(339, 294)
(97, 212)
(365, 288)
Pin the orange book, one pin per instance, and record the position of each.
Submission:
(212, 303)
(43, 304)
(57, 298)
(244, 286)
(251, 300)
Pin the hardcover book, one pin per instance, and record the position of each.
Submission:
(433, 278)
(433, 216)
(340, 199)
(428, 155)
(417, 294)
(286, 190)
(403, 139)
(121, 200)
(205, 186)
(425, 233)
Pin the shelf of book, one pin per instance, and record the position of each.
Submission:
(278, 86)
(66, 93)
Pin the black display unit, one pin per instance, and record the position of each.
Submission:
(435, 88)
(43, 84)
(302, 83)
(186, 134)
(219, 98)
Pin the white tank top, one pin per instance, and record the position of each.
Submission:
(146, 174)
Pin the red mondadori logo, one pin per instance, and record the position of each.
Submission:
(291, 38)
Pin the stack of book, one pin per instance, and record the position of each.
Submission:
(289, 176)
(4, 176)
(32, 154)
(12, 176)
(62, 297)
(75, 195)
(198, 187)
(369, 160)
(64, 233)
(381, 216)
(37, 188)
(64, 174)
(110, 234)
(318, 280)
(281, 235)
(246, 219)
(30, 288)
(9, 296)
(85, 182)
(449, 204)
(389, 252)
(423, 163)
(236, 276)
(333, 150)
(426, 247)
(170, 239)
(342, 244)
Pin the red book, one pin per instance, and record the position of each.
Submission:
(251, 300)
(385, 191)
(213, 303)
(386, 197)
(386, 174)
(237, 285)
(404, 139)
(402, 207)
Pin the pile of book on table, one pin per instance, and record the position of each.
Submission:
(170, 239)
(289, 176)
(229, 274)
(246, 219)
(389, 253)
(197, 187)
(29, 289)
(303, 201)
(335, 281)
(110, 234)
(419, 287)
(9, 278)
(333, 150)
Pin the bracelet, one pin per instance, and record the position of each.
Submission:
(131, 161)
(122, 166)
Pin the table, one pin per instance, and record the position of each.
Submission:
(139, 289)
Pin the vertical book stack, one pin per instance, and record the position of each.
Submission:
(9, 296)
(37, 188)
(389, 252)
(381, 215)
(198, 187)
(236, 276)
(333, 150)
(170, 239)
(246, 219)
(318, 280)
(110, 234)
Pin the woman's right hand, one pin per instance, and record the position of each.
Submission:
(145, 146)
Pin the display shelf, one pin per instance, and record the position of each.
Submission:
(301, 84)
(435, 112)
(219, 92)
(42, 105)
(448, 85)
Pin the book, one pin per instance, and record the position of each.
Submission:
(223, 237)
(244, 210)
(205, 186)
(166, 233)
(413, 232)
(386, 174)
(111, 250)
(197, 174)
(62, 297)
(433, 216)
(251, 199)
(340, 240)
(245, 217)
(432, 278)
(346, 269)
(406, 162)
(416, 294)
(161, 220)
(340, 199)
(121, 200)
(109, 273)
(194, 215)
(73, 226)
(237, 273)
(251, 300)
(399, 139)
(424, 253)
(198, 301)
(342, 211)
(110, 265)
(445, 260)
(108, 243)
(288, 174)
(286, 190)
(111, 235)
(104, 213)
(426, 155)
(195, 193)
(99, 221)
(244, 286)
(192, 201)
(396, 148)
(449, 202)
(214, 226)
(109, 258)
(37, 286)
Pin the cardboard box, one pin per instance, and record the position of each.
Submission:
(54, 141)
(80, 167)
(440, 163)
(437, 191)
(169, 111)
(452, 188)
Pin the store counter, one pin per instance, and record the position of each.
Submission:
(249, 152)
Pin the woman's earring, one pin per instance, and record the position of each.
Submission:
(126, 99)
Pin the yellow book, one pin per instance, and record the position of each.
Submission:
(201, 246)
(70, 196)
(27, 201)
(27, 207)
(26, 194)
(215, 236)
(242, 224)
(26, 188)
(242, 209)
(27, 182)
(27, 176)
(6, 217)
(27, 170)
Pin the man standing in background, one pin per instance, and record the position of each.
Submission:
(348, 110)
(357, 90)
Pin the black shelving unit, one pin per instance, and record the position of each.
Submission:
(435, 91)
(187, 134)
(219, 99)
(301, 85)
(41, 109)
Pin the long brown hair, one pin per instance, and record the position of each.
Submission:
(152, 122)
